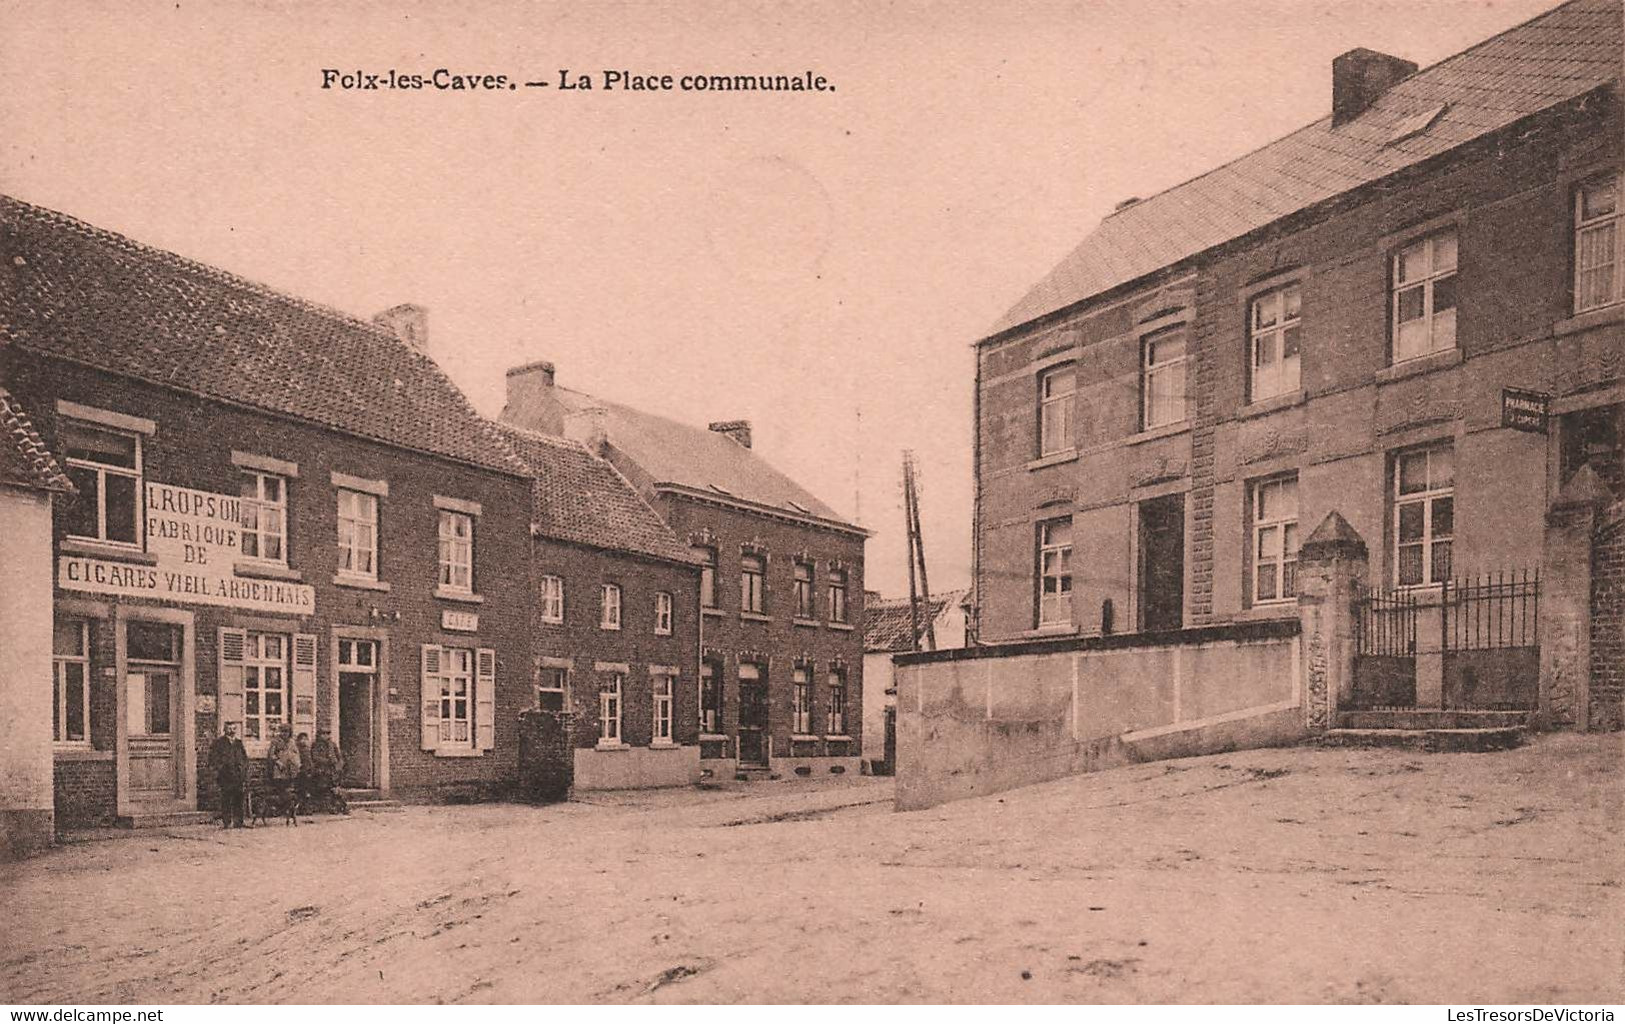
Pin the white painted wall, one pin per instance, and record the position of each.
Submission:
(25, 651)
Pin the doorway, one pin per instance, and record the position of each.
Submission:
(753, 717)
(1162, 563)
(152, 693)
(357, 711)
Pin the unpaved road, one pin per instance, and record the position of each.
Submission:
(1276, 875)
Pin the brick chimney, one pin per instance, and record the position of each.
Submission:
(529, 382)
(589, 427)
(739, 430)
(1359, 77)
(407, 322)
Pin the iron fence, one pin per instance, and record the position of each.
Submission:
(1491, 611)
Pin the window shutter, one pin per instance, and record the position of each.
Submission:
(229, 683)
(429, 694)
(485, 698)
(304, 684)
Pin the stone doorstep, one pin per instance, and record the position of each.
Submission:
(1425, 718)
(1440, 741)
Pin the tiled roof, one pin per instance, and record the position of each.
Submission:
(677, 453)
(886, 624)
(88, 295)
(1555, 57)
(25, 459)
(582, 499)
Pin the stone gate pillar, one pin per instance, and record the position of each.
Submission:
(1565, 602)
(1332, 567)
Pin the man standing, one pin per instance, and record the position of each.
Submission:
(282, 760)
(230, 762)
(327, 769)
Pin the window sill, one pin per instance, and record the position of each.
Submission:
(1590, 318)
(1054, 629)
(1420, 364)
(470, 752)
(1287, 609)
(1275, 403)
(801, 737)
(1156, 433)
(604, 627)
(845, 627)
(465, 596)
(102, 549)
(805, 623)
(1056, 459)
(754, 617)
(715, 613)
(66, 753)
(361, 582)
(662, 632)
(610, 745)
(266, 570)
(713, 737)
(838, 739)
(663, 745)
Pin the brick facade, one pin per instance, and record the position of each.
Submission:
(1608, 620)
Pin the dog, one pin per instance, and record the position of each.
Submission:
(264, 804)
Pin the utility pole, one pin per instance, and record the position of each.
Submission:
(916, 557)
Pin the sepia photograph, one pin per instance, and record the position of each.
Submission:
(740, 503)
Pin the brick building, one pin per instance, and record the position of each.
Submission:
(891, 626)
(284, 515)
(780, 684)
(1411, 312)
(615, 620)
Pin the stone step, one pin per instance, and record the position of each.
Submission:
(368, 800)
(166, 819)
(1437, 741)
(1425, 718)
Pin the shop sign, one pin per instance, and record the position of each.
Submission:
(1525, 410)
(195, 538)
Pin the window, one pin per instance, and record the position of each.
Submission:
(1425, 297)
(358, 534)
(153, 651)
(663, 614)
(710, 698)
(708, 575)
(551, 685)
(752, 583)
(609, 708)
(1055, 391)
(837, 595)
(801, 701)
(1275, 539)
(552, 599)
(1599, 279)
(106, 467)
(264, 516)
(455, 685)
(70, 703)
(1275, 323)
(609, 616)
(1424, 515)
(804, 590)
(1055, 572)
(1162, 378)
(662, 708)
(265, 685)
(836, 725)
(457, 551)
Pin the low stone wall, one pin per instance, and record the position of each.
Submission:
(637, 767)
(982, 720)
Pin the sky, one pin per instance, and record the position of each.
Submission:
(819, 263)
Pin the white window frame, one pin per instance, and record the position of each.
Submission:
(256, 666)
(456, 552)
(709, 673)
(1608, 229)
(609, 606)
(62, 686)
(1275, 538)
(708, 575)
(611, 690)
(1057, 391)
(1162, 380)
(1441, 333)
(839, 706)
(1428, 497)
(806, 576)
(103, 470)
(663, 614)
(551, 595)
(837, 592)
(1054, 562)
(262, 507)
(563, 689)
(358, 524)
(1275, 323)
(664, 685)
(801, 700)
(753, 584)
(457, 666)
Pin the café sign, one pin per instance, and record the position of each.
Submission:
(195, 538)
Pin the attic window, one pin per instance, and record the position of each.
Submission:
(1416, 124)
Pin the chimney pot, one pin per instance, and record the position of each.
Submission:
(408, 322)
(737, 430)
(1360, 77)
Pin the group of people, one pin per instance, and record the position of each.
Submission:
(302, 775)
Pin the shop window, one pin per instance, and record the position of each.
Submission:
(105, 465)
